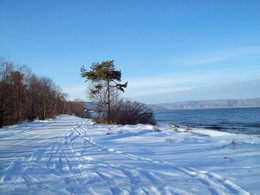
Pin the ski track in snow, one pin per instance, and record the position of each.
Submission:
(74, 164)
(214, 182)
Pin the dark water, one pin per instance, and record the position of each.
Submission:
(235, 120)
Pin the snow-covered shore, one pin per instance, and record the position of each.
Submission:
(70, 155)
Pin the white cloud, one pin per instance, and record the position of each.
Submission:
(166, 80)
(174, 82)
(158, 84)
(232, 90)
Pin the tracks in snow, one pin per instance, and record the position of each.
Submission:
(75, 164)
(215, 183)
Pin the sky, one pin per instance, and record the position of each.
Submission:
(167, 50)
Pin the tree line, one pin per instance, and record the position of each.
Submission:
(24, 96)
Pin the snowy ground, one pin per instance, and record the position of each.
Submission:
(70, 155)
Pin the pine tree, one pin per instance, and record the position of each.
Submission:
(104, 76)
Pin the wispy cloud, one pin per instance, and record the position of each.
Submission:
(215, 56)
(242, 89)
(176, 82)
(165, 83)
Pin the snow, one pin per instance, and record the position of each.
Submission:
(70, 155)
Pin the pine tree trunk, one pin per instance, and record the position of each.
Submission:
(108, 102)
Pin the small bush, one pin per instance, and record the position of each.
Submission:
(128, 112)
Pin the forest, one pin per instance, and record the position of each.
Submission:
(24, 96)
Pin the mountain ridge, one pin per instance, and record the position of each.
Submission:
(208, 104)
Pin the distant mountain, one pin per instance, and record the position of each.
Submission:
(207, 104)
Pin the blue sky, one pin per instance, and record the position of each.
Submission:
(168, 50)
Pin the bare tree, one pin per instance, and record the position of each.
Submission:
(5, 70)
